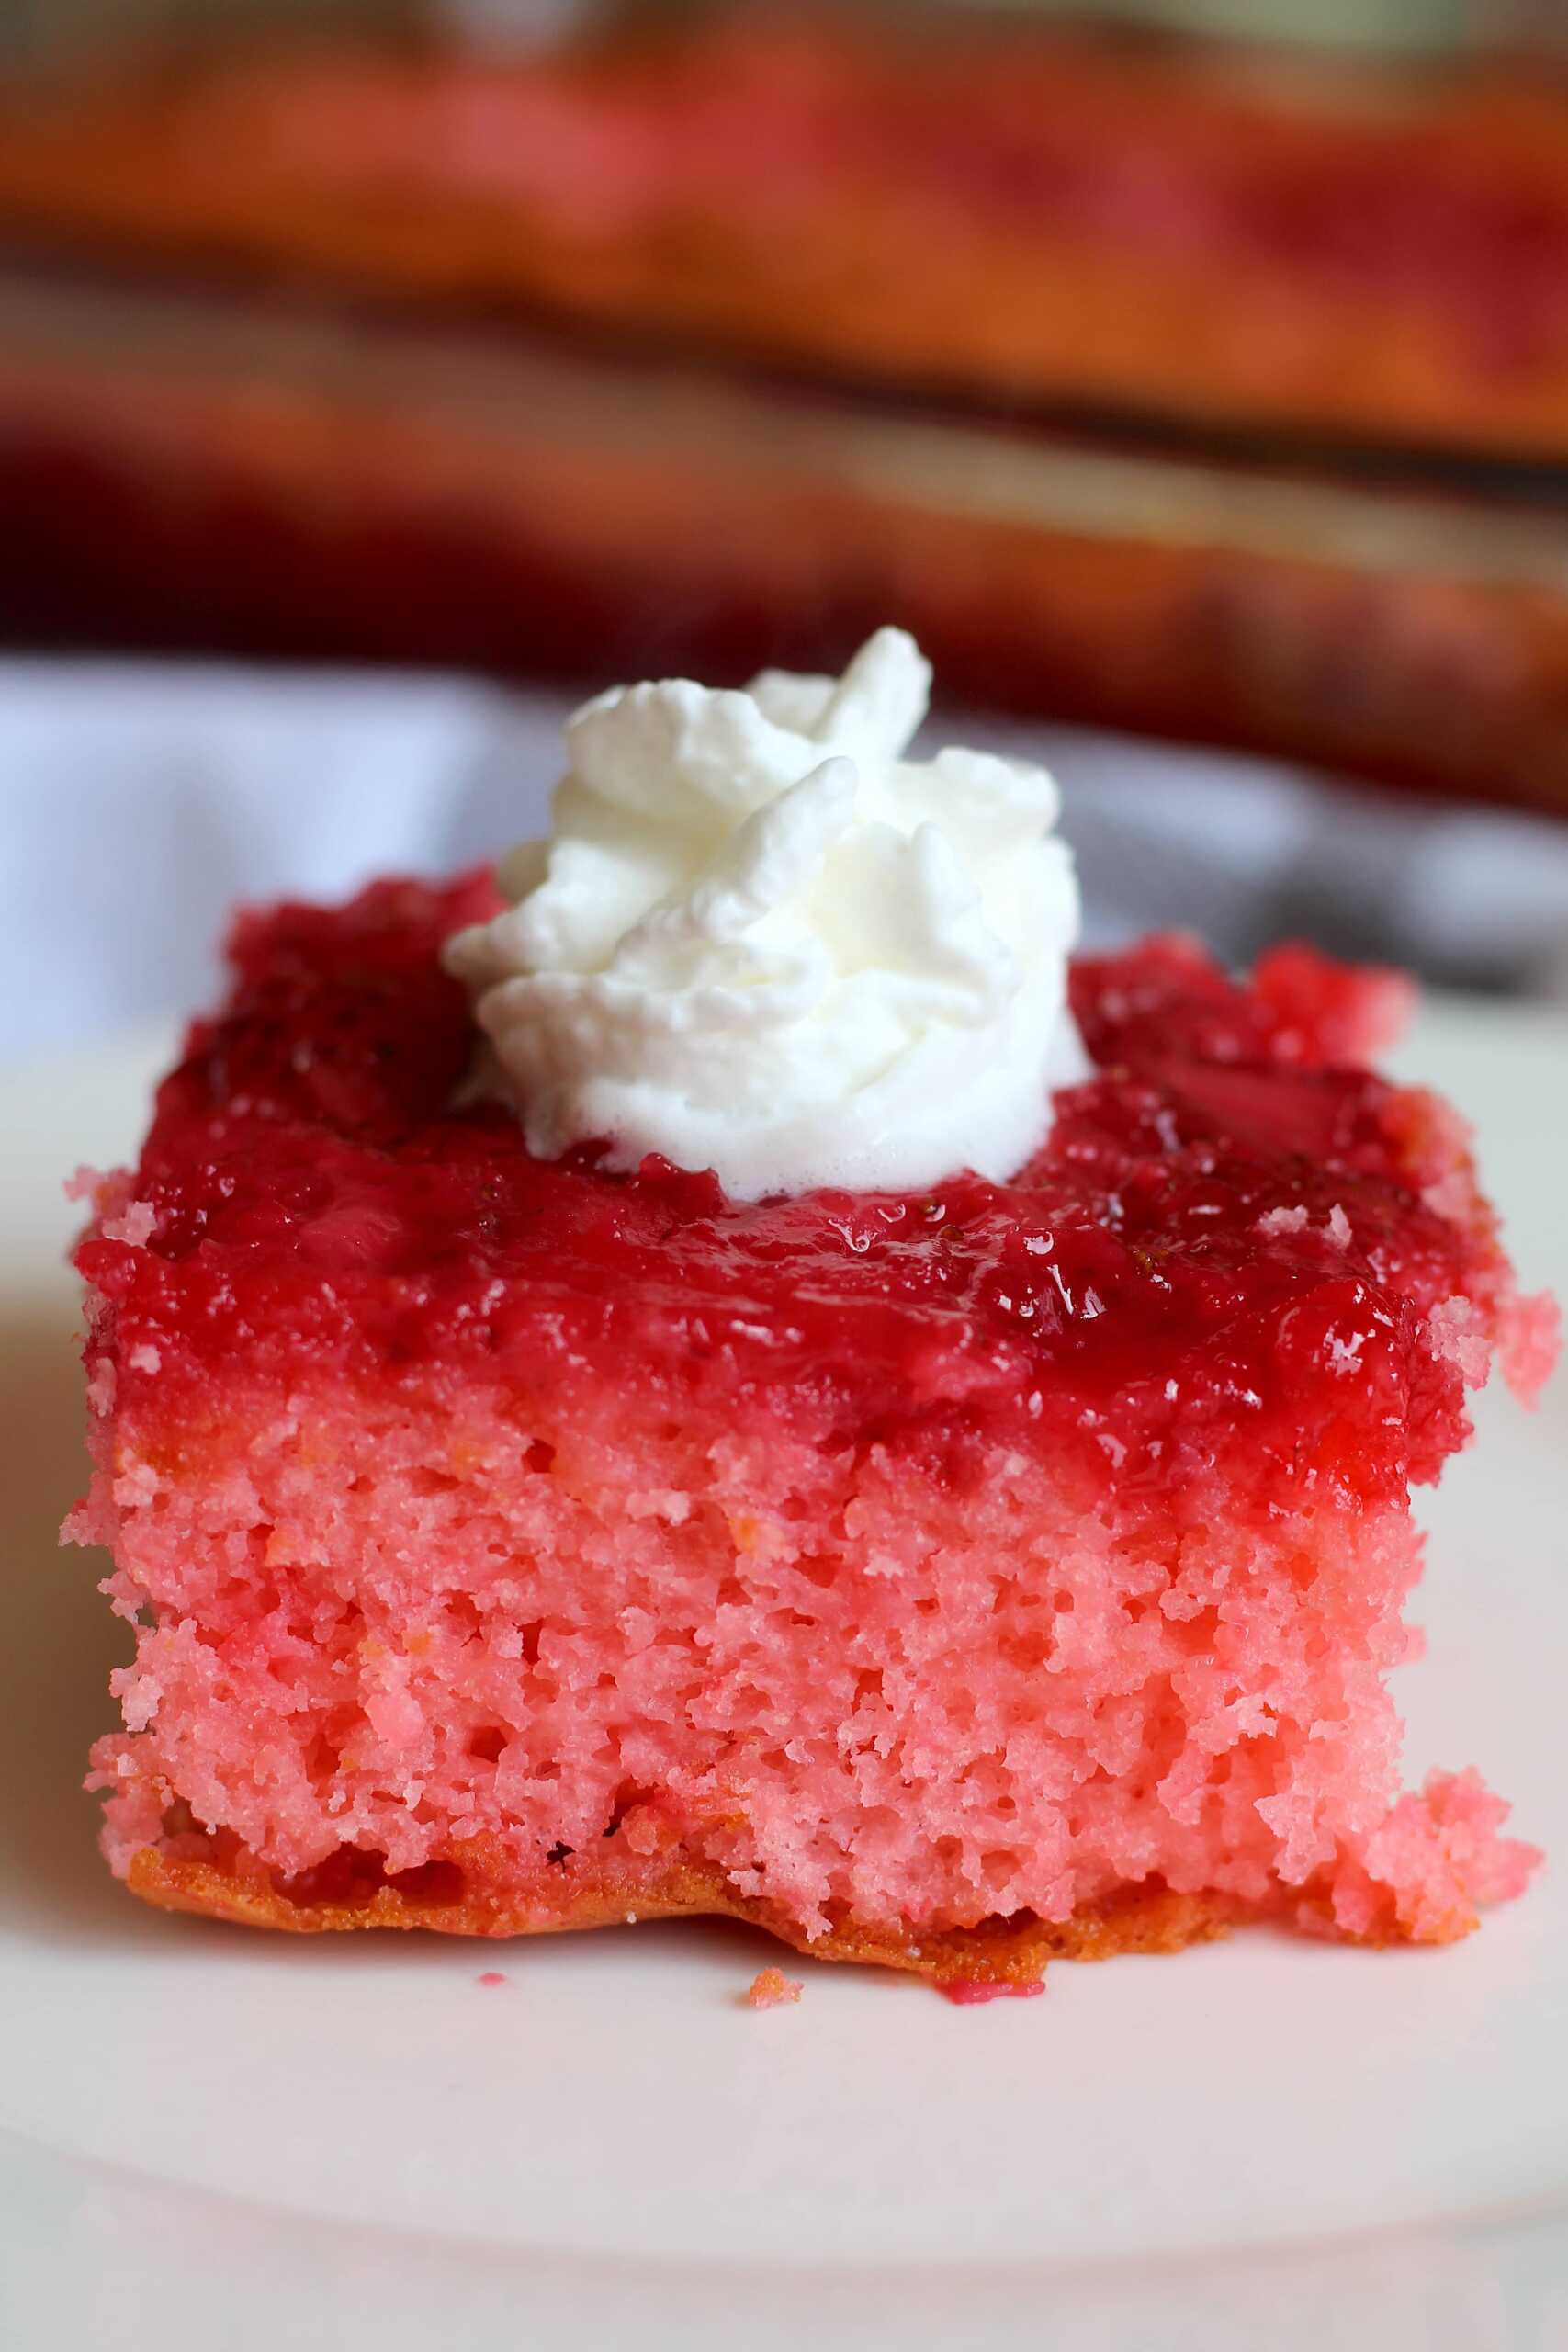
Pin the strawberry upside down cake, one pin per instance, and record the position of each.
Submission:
(720, 1370)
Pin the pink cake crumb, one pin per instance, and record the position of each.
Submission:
(772, 1989)
(134, 1228)
(1458, 1333)
(490, 1977)
(1435, 1860)
(1529, 1344)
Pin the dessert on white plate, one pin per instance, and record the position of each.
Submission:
(803, 1400)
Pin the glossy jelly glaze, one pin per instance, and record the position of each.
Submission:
(1233, 1232)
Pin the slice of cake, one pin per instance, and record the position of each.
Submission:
(728, 1376)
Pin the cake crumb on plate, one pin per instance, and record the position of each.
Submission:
(772, 1989)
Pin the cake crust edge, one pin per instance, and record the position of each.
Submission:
(1147, 1918)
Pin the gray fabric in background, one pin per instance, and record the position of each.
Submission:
(139, 801)
(1249, 851)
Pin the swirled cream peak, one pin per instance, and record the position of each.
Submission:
(760, 940)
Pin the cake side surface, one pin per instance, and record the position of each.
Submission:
(944, 1579)
(539, 1651)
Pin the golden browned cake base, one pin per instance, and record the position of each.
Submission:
(473, 1895)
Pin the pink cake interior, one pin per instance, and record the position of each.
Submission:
(864, 1693)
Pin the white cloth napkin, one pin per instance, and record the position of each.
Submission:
(139, 801)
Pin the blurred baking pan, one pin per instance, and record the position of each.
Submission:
(216, 470)
(1206, 392)
(1010, 211)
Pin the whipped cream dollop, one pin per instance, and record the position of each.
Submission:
(762, 941)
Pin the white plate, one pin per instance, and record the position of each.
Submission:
(215, 2139)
